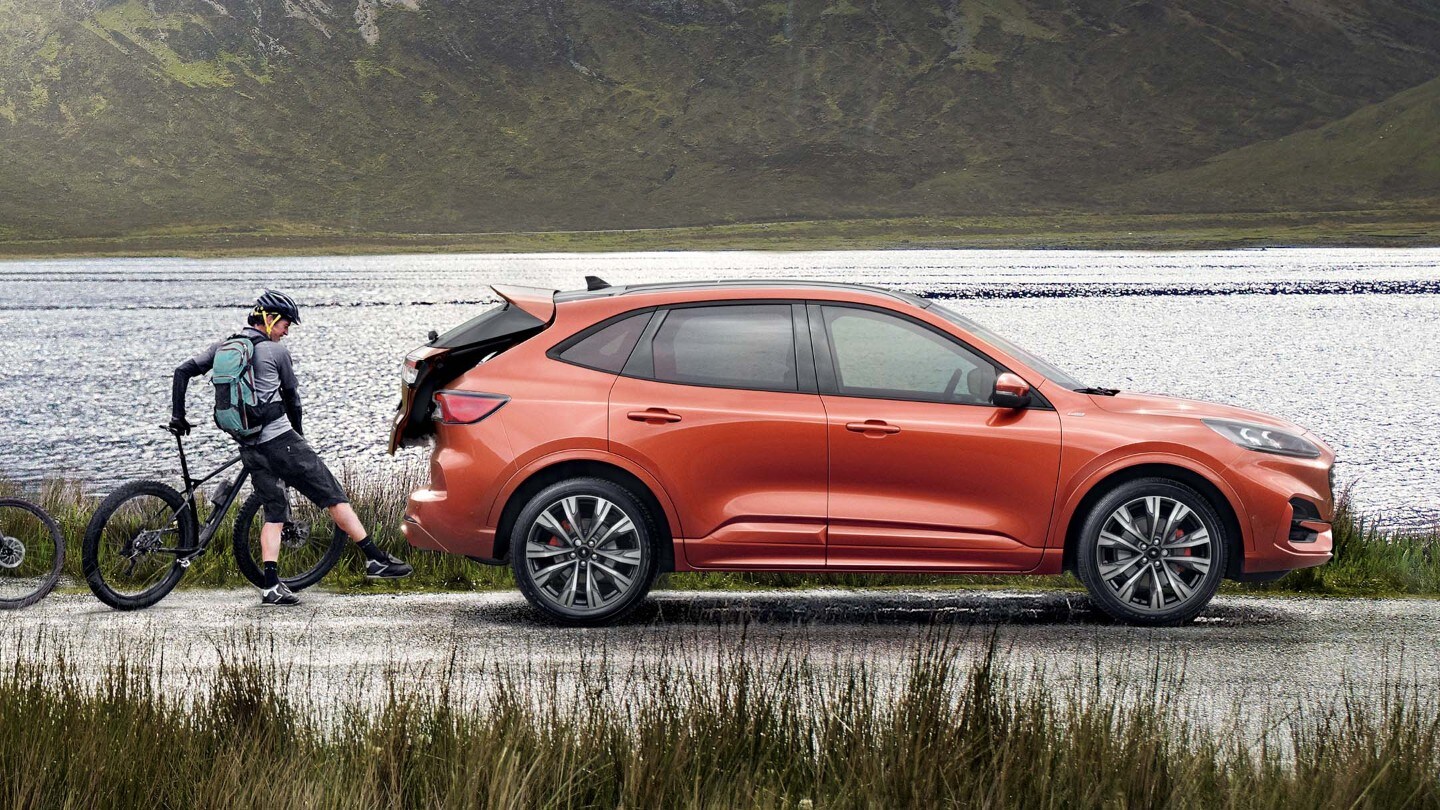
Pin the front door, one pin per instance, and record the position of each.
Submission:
(926, 474)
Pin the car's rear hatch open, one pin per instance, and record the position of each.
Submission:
(523, 313)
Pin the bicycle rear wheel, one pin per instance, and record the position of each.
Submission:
(132, 543)
(32, 552)
(310, 544)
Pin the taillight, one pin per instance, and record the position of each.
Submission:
(466, 408)
(410, 368)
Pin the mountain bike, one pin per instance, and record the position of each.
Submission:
(32, 552)
(145, 535)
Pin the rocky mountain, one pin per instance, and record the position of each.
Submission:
(486, 115)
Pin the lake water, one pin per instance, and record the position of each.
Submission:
(1345, 342)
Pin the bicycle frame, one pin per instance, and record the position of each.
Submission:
(204, 534)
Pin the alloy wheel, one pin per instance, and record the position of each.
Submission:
(584, 554)
(1154, 553)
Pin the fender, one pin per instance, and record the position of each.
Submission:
(524, 473)
(1103, 467)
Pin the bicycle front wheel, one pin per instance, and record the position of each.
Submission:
(132, 544)
(310, 543)
(32, 552)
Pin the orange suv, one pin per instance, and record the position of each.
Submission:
(593, 439)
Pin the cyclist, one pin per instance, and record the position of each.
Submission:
(279, 454)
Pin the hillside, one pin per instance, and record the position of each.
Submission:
(1382, 153)
(488, 115)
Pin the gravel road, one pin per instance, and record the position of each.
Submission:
(1248, 658)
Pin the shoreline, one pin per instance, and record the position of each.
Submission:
(1409, 228)
(1369, 561)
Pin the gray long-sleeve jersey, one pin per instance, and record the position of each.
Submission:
(274, 379)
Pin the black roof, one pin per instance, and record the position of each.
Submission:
(734, 283)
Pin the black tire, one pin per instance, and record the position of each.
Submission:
(626, 554)
(1136, 579)
(120, 576)
(27, 564)
(310, 547)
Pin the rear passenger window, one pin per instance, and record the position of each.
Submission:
(609, 348)
(739, 346)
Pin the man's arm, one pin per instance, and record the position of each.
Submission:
(289, 390)
(186, 371)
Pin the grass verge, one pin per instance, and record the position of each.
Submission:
(1369, 560)
(1391, 227)
(778, 733)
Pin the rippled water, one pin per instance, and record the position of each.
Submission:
(1341, 341)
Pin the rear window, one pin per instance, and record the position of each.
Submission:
(493, 323)
(737, 346)
(608, 348)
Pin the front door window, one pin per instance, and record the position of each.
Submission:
(880, 355)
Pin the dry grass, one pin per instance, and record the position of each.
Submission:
(746, 733)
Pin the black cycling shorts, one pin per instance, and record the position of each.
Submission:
(288, 459)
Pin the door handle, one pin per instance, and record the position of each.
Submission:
(653, 416)
(871, 426)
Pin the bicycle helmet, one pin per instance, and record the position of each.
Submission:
(273, 302)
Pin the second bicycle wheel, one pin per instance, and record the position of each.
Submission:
(310, 543)
(32, 552)
(132, 543)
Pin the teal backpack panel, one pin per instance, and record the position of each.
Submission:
(237, 408)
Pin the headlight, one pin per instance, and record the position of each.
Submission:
(1263, 438)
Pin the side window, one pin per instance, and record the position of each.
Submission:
(608, 348)
(735, 346)
(880, 355)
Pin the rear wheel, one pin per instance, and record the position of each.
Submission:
(310, 543)
(1152, 552)
(32, 552)
(131, 545)
(584, 551)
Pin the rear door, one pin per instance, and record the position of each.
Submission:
(718, 402)
(926, 474)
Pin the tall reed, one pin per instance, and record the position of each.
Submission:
(746, 732)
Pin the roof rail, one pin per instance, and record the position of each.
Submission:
(677, 286)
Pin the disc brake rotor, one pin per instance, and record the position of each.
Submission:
(12, 551)
(295, 535)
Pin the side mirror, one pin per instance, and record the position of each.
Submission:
(1011, 391)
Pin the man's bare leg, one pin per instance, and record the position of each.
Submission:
(270, 542)
(272, 590)
(349, 522)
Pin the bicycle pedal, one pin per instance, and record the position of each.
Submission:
(184, 562)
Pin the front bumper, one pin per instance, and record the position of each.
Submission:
(1281, 539)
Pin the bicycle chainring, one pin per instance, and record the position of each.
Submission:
(146, 541)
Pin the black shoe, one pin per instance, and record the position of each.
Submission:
(388, 568)
(278, 595)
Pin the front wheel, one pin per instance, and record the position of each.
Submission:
(32, 552)
(1152, 552)
(584, 551)
(132, 543)
(310, 543)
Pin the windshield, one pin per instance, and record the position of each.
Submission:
(1058, 376)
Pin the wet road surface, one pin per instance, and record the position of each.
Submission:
(1246, 657)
